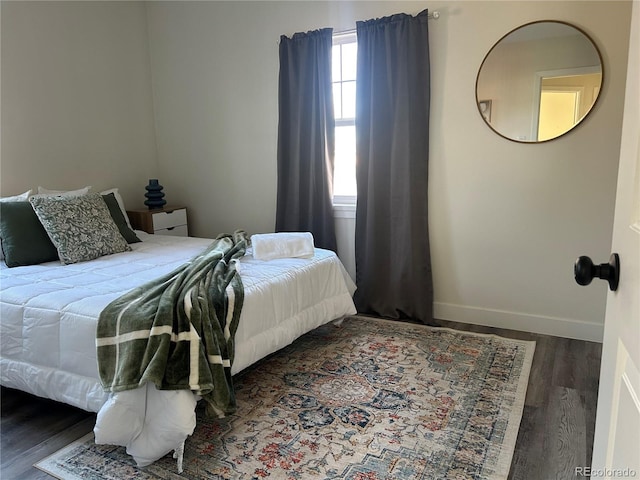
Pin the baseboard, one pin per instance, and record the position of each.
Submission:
(558, 327)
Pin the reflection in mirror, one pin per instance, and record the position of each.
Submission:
(539, 81)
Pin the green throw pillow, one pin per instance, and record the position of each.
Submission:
(118, 217)
(24, 239)
(81, 228)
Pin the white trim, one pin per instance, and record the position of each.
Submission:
(555, 326)
(345, 201)
(345, 122)
(344, 210)
(344, 37)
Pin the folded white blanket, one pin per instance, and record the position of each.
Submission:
(269, 246)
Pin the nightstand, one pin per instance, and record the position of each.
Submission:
(168, 220)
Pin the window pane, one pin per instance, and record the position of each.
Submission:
(337, 100)
(349, 62)
(344, 175)
(349, 99)
(344, 65)
(335, 63)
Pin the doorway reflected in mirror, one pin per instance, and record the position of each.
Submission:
(545, 75)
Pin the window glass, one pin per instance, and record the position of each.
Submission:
(344, 176)
(336, 68)
(344, 65)
(349, 99)
(349, 64)
(337, 100)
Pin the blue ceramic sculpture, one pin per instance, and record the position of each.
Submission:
(155, 196)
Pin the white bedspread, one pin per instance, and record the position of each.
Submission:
(48, 312)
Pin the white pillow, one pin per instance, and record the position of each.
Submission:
(163, 432)
(120, 202)
(23, 197)
(121, 418)
(63, 193)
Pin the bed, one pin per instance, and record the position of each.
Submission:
(49, 311)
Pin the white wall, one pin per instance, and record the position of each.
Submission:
(93, 91)
(507, 220)
(76, 97)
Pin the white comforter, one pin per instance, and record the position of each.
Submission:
(48, 316)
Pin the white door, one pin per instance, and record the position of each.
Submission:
(616, 450)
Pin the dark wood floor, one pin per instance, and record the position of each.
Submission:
(556, 431)
(558, 421)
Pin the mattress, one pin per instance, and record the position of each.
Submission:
(48, 312)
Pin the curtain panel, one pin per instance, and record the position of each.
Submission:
(306, 137)
(393, 263)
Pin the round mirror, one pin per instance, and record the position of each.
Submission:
(539, 81)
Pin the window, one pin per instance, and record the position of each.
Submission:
(344, 105)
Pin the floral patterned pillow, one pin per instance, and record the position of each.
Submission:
(81, 228)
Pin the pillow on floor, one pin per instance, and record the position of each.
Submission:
(81, 228)
(24, 239)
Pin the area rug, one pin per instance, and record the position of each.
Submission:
(361, 399)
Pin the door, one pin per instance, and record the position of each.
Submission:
(559, 112)
(616, 450)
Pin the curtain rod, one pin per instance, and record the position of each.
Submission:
(431, 16)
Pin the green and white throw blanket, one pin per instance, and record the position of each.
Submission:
(178, 330)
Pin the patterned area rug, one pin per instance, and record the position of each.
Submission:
(364, 399)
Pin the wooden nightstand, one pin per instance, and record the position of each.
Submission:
(169, 220)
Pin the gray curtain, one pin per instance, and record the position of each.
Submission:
(306, 137)
(393, 263)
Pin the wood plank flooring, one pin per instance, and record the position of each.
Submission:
(555, 437)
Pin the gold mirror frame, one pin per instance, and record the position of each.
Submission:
(550, 93)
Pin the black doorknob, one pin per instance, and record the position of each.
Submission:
(584, 271)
